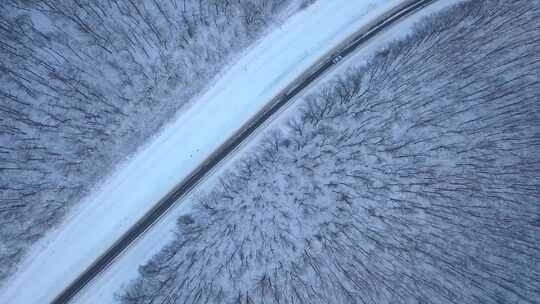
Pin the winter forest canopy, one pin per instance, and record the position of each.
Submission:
(83, 83)
(414, 178)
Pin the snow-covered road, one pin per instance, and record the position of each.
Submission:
(240, 92)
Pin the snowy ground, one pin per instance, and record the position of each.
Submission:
(253, 80)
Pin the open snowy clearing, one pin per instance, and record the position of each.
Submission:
(256, 77)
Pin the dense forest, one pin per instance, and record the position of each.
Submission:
(413, 178)
(83, 83)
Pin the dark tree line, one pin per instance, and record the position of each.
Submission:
(412, 179)
(84, 82)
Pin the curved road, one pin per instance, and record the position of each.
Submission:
(206, 168)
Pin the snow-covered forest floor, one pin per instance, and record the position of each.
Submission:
(413, 178)
(84, 83)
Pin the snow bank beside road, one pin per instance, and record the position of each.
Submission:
(255, 78)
